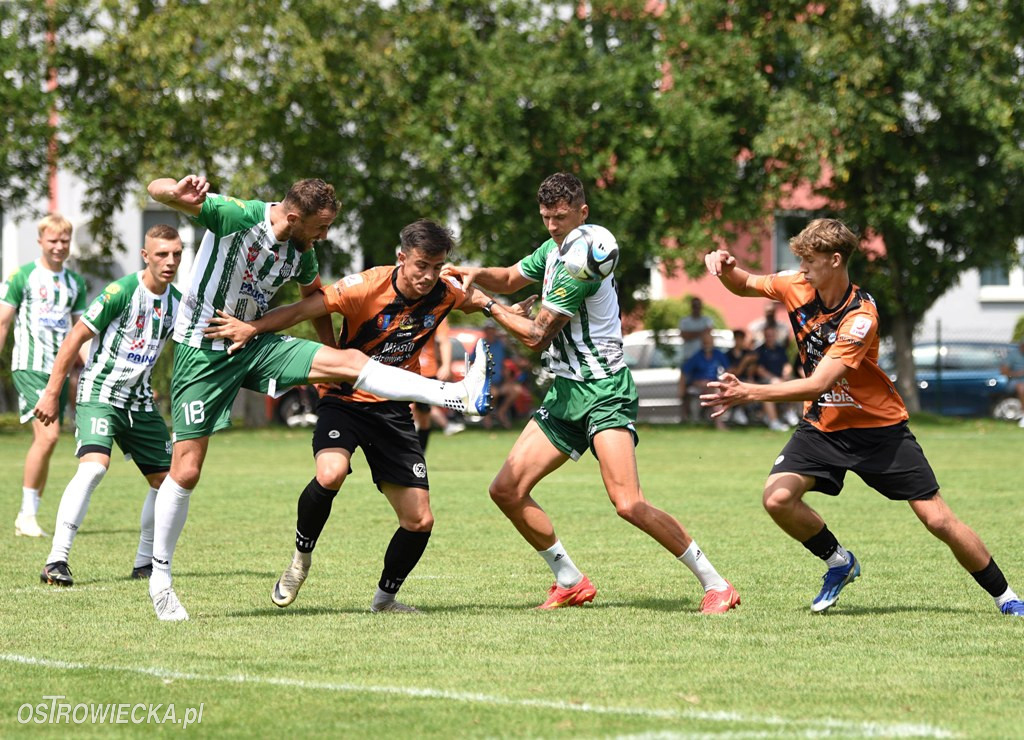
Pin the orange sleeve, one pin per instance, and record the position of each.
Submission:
(343, 295)
(856, 334)
(776, 285)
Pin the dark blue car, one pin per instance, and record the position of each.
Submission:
(959, 378)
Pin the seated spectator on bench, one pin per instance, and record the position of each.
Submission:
(705, 365)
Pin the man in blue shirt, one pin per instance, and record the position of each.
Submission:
(703, 366)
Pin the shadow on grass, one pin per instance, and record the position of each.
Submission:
(860, 611)
(104, 532)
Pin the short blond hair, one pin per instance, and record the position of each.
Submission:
(54, 222)
(825, 236)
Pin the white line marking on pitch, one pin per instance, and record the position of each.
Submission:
(811, 728)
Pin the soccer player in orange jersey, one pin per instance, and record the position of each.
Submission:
(390, 313)
(853, 417)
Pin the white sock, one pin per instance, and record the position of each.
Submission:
(144, 555)
(74, 503)
(566, 573)
(169, 514)
(1007, 595)
(838, 558)
(30, 501)
(698, 562)
(402, 385)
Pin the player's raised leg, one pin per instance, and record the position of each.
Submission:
(472, 394)
(614, 450)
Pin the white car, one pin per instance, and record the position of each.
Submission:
(655, 368)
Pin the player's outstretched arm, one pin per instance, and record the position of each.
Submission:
(723, 265)
(225, 326)
(501, 280)
(47, 407)
(185, 195)
(729, 391)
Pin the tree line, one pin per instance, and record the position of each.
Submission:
(688, 119)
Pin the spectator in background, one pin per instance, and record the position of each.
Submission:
(691, 327)
(773, 367)
(700, 369)
(1014, 370)
(516, 374)
(757, 327)
(743, 364)
(499, 351)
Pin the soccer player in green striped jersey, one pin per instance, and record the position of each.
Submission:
(250, 249)
(42, 300)
(126, 327)
(592, 403)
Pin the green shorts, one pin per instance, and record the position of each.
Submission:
(30, 384)
(141, 435)
(205, 383)
(574, 411)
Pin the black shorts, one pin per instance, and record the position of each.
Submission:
(888, 459)
(385, 432)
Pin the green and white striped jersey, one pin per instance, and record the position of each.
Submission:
(239, 268)
(131, 325)
(47, 302)
(590, 345)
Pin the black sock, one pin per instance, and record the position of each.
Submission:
(424, 435)
(314, 509)
(991, 579)
(824, 544)
(404, 551)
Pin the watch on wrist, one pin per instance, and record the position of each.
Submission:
(487, 308)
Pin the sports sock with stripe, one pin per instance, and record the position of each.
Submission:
(314, 509)
(566, 573)
(698, 563)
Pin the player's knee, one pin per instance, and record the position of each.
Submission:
(941, 524)
(421, 522)
(777, 500)
(503, 494)
(331, 477)
(633, 511)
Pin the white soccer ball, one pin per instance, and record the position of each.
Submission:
(589, 253)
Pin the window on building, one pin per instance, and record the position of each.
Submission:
(995, 275)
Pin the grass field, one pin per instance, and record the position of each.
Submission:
(913, 649)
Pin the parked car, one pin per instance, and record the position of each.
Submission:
(655, 367)
(961, 378)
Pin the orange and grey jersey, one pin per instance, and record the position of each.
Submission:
(865, 396)
(383, 323)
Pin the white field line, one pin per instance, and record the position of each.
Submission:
(809, 728)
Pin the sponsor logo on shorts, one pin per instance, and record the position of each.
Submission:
(334, 434)
(419, 470)
(779, 459)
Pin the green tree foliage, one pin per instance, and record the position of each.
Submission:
(917, 113)
(24, 101)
